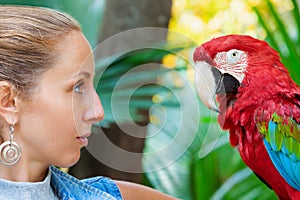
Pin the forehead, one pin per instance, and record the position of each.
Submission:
(74, 55)
(76, 49)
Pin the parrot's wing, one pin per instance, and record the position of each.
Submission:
(282, 141)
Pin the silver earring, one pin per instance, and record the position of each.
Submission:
(10, 151)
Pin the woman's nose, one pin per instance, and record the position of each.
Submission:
(96, 112)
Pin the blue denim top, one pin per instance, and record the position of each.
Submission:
(68, 187)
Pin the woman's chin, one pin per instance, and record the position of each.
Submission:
(68, 161)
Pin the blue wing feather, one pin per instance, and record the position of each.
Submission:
(285, 166)
(282, 147)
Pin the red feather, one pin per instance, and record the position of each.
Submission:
(266, 88)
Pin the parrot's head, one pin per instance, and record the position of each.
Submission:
(225, 64)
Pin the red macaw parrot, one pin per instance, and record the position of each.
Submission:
(258, 103)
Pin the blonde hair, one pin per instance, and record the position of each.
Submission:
(28, 37)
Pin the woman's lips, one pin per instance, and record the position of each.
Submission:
(84, 139)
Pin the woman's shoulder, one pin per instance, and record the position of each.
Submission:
(103, 183)
(68, 187)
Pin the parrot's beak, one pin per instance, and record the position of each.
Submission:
(210, 82)
(206, 84)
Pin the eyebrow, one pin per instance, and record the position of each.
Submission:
(82, 73)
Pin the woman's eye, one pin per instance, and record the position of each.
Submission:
(77, 88)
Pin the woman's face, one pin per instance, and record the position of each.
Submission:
(54, 126)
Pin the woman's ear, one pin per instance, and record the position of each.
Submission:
(8, 102)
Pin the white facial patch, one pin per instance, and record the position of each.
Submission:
(233, 62)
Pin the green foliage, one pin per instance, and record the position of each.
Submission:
(88, 13)
(126, 85)
(283, 33)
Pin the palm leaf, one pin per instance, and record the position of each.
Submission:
(296, 16)
(281, 35)
(126, 83)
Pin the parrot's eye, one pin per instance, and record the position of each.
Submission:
(233, 56)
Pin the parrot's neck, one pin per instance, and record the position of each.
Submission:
(258, 100)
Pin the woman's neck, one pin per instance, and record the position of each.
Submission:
(24, 172)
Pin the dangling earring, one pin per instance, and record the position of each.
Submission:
(10, 151)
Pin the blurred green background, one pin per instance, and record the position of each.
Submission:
(195, 165)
